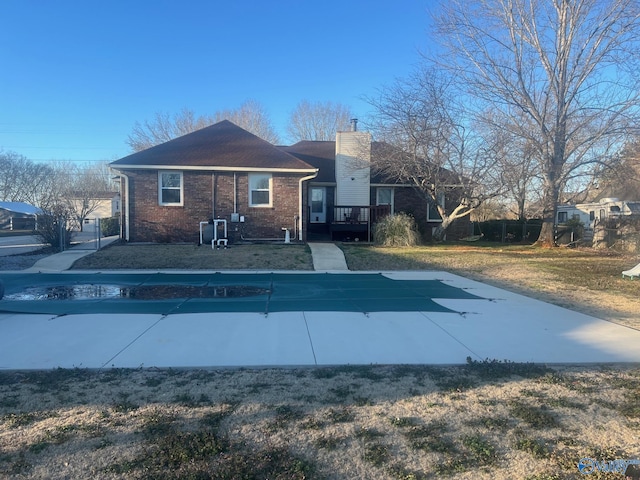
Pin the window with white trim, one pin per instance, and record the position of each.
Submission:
(170, 188)
(432, 211)
(260, 189)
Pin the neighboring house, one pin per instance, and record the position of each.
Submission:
(591, 213)
(18, 216)
(95, 205)
(592, 216)
(225, 173)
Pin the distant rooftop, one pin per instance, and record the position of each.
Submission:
(20, 207)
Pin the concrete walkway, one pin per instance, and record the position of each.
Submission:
(64, 260)
(327, 257)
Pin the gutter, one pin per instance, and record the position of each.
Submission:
(217, 168)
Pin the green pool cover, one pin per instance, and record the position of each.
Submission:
(169, 293)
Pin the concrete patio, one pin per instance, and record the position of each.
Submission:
(489, 324)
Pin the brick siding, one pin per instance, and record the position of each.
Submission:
(151, 222)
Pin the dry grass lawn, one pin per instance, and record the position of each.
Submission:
(483, 420)
(584, 280)
(193, 257)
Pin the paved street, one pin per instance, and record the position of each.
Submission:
(19, 244)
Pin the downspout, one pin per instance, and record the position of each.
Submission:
(301, 213)
(126, 207)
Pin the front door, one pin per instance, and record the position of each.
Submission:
(318, 201)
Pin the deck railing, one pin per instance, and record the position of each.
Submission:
(357, 219)
(355, 215)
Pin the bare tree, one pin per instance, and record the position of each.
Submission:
(570, 66)
(622, 180)
(251, 116)
(22, 180)
(516, 162)
(85, 190)
(318, 121)
(13, 171)
(164, 127)
(425, 144)
(49, 185)
(46, 186)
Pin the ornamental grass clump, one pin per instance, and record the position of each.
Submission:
(397, 230)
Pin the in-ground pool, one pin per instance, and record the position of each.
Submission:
(168, 293)
(140, 292)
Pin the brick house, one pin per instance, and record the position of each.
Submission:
(223, 175)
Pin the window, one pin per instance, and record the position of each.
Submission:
(384, 196)
(317, 200)
(432, 212)
(562, 217)
(259, 190)
(170, 188)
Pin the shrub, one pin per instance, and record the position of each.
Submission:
(110, 226)
(54, 229)
(397, 230)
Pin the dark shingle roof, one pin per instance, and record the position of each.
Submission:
(322, 155)
(318, 154)
(223, 144)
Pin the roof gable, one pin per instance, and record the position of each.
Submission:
(223, 145)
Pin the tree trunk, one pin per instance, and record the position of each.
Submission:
(549, 208)
(439, 233)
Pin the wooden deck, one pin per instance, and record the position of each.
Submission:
(354, 222)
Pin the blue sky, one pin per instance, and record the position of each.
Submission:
(77, 75)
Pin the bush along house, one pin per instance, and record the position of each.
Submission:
(223, 182)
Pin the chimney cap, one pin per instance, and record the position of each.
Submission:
(354, 124)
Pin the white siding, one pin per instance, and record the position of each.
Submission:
(353, 173)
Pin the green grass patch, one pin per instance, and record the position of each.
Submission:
(499, 369)
(328, 442)
(368, 434)
(537, 448)
(495, 423)
(482, 451)
(534, 416)
(377, 454)
(340, 415)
